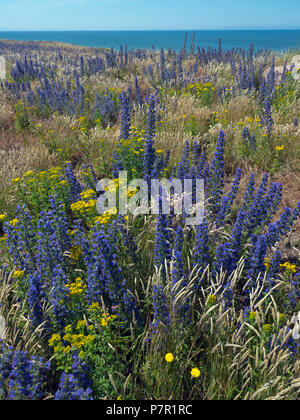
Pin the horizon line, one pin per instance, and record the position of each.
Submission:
(154, 30)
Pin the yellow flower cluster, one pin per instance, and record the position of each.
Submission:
(102, 317)
(212, 299)
(54, 339)
(200, 88)
(289, 267)
(14, 222)
(280, 148)
(83, 206)
(78, 340)
(95, 307)
(76, 288)
(131, 192)
(75, 253)
(106, 318)
(43, 182)
(267, 328)
(18, 274)
(134, 145)
(267, 263)
(105, 218)
(70, 341)
(86, 195)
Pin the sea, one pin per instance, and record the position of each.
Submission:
(277, 40)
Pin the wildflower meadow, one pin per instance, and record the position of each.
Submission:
(128, 305)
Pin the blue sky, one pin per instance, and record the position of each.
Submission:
(147, 14)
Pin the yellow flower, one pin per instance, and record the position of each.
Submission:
(81, 324)
(75, 253)
(212, 299)
(94, 307)
(281, 317)
(3, 238)
(14, 222)
(104, 322)
(18, 274)
(169, 357)
(2, 217)
(76, 288)
(267, 263)
(280, 148)
(54, 339)
(68, 329)
(267, 328)
(289, 267)
(88, 194)
(16, 180)
(195, 373)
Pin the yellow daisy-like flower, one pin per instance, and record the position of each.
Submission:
(169, 358)
(2, 217)
(14, 222)
(280, 148)
(195, 373)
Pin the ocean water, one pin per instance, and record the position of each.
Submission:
(277, 40)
